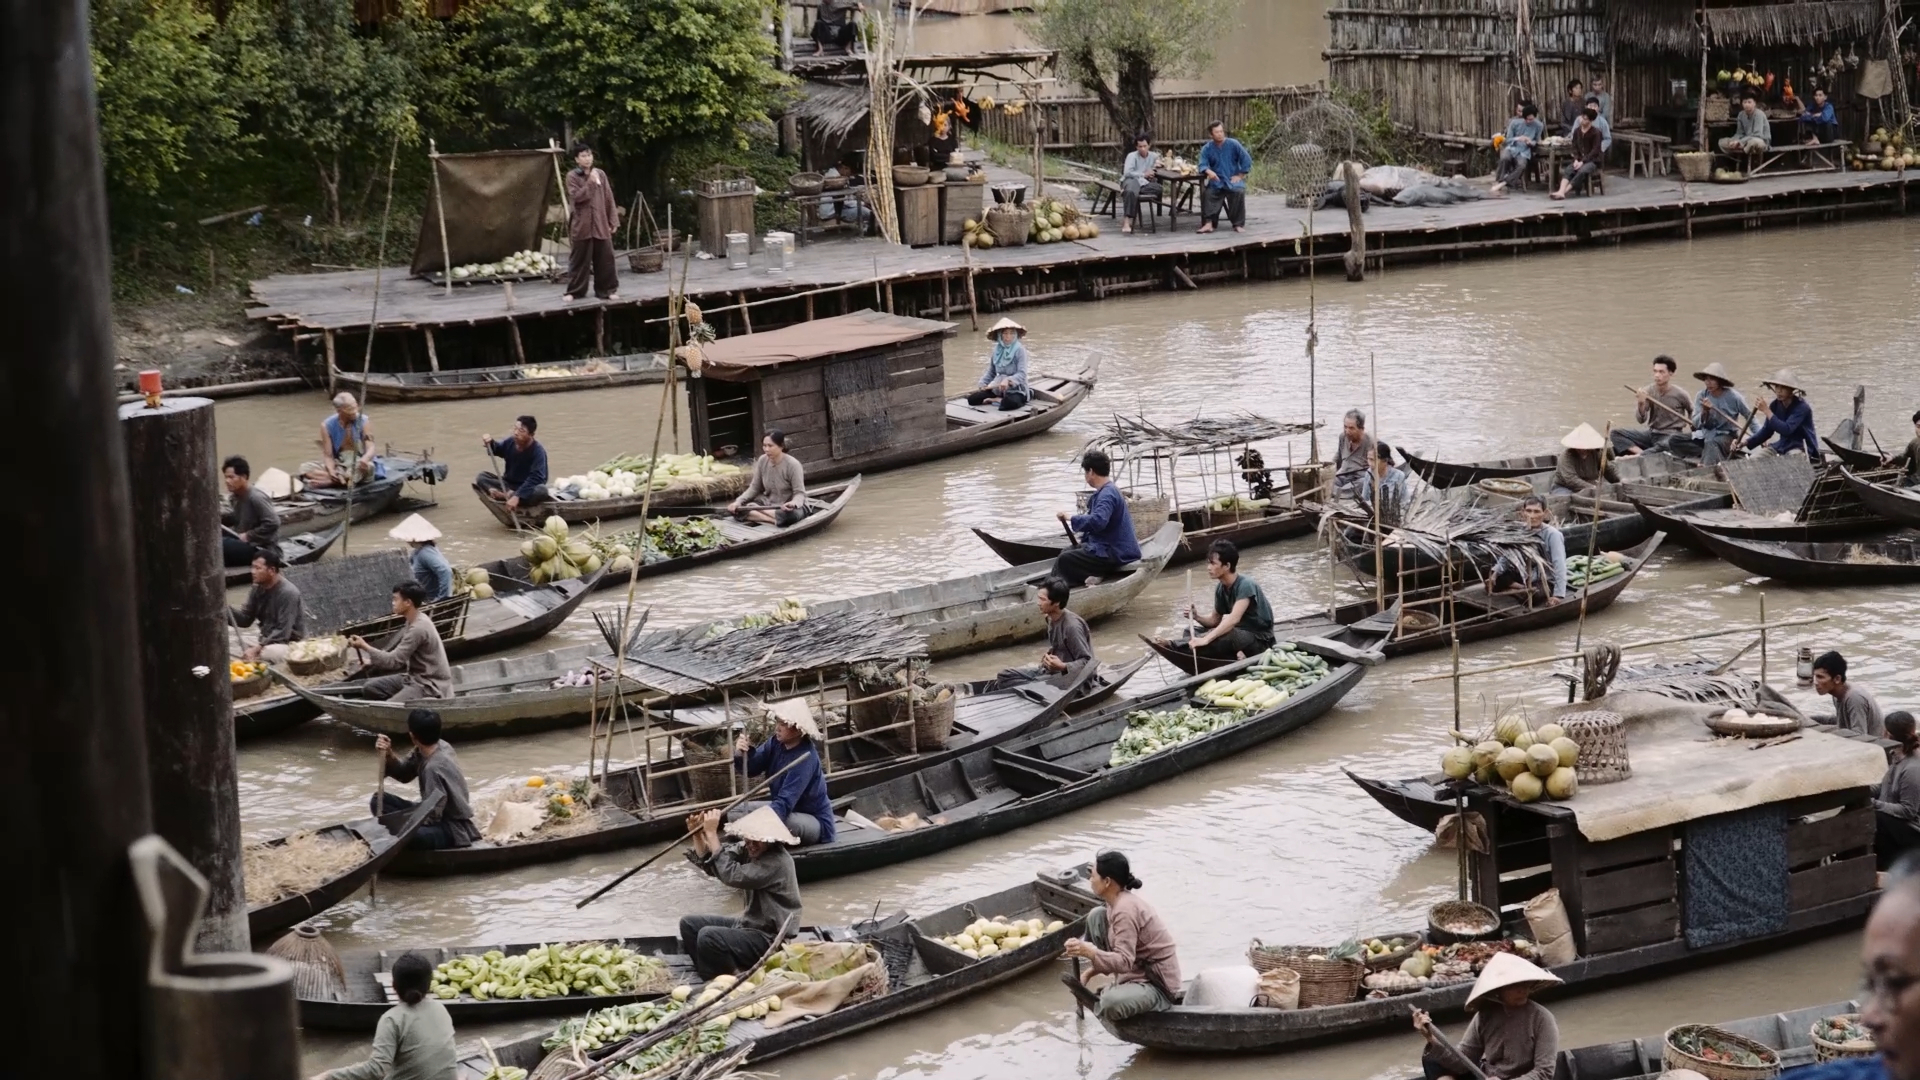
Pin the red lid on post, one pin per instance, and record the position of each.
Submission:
(150, 382)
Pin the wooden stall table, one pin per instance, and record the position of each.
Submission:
(1178, 190)
(1645, 151)
(918, 209)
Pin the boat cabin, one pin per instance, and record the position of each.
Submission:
(1709, 844)
(843, 389)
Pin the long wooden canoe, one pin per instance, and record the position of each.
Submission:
(1862, 562)
(968, 429)
(322, 508)
(934, 975)
(1046, 774)
(740, 537)
(297, 550)
(385, 837)
(656, 812)
(271, 713)
(1851, 458)
(1276, 524)
(1445, 474)
(503, 696)
(459, 384)
(1895, 503)
(1479, 616)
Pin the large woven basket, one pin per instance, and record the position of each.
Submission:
(710, 784)
(646, 260)
(1719, 108)
(1392, 959)
(1446, 914)
(251, 686)
(875, 983)
(1827, 1050)
(806, 184)
(932, 721)
(1675, 1058)
(1009, 225)
(1602, 737)
(1695, 166)
(1322, 982)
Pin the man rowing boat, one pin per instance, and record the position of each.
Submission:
(522, 479)
(1720, 414)
(416, 666)
(274, 603)
(1105, 531)
(253, 525)
(1241, 622)
(1663, 407)
(1789, 418)
(761, 866)
(1581, 468)
(798, 796)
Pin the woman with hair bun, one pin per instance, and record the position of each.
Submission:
(415, 1038)
(1896, 804)
(1127, 943)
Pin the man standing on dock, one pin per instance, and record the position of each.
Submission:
(1106, 541)
(1663, 424)
(1224, 165)
(523, 477)
(590, 226)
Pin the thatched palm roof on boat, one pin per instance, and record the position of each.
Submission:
(1135, 435)
(1671, 26)
(1452, 532)
(694, 659)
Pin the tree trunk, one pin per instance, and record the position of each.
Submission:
(330, 185)
(1136, 77)
(1087, 73)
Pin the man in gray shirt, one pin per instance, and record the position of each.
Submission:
(417, 662)
(1069, 642)
(1352, 453)
(778, 492)
(253, 523)
(1853, 706)
(435, 766)
(273, 602)
(758, 864)
(1675, 420)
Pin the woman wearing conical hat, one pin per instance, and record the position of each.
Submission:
(1006, 379)
(430, 568)
(1789, 419)
(1580, 467)
(758, 864)
(1719, 411)
(1511, 1036)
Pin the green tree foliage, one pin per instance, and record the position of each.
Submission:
(1117, 49)
(641, 77)
(161, 84)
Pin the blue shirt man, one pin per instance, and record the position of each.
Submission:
(431, 570)
(1105, 531)
(523, 475)
(798, 795)
(1790, 418)
(1224, 165)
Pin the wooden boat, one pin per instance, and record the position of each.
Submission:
(1420, 801)
(1790, 1034)
(653, 809)
(984, 611)
(1443, 474)
(1893, 502)
(486, 382)
(323, 508)
(934, 975)
(271, 713)
(1479, 615)
(1889, 561)
(1046, 774)
(1851, 458)
(741, 537)
(1623, 895)
(1276, 524)
(297, 550)
(385, 837)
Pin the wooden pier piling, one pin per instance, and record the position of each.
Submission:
(182, 611)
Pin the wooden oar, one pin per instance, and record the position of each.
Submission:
(1432, 1030)
(380, 806)
(686, 836)
(1663, 406)
(1072, 540)
(1193, 650)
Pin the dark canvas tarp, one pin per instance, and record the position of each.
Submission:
(496, 205)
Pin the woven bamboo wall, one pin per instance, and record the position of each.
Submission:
(1178, 118)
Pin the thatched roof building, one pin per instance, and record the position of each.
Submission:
(1459, 67)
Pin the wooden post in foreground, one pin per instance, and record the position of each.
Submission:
(1356, 225)
(182, 608)
(74, 791)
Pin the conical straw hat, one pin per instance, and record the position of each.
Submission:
(1504, 970)
(797, 712)
(1583, 438)
(1714, 370)
(414, 530)
(1784, 378)
(1005, 324)
(765, 826)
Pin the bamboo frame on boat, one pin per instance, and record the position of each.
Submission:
(1722, 632)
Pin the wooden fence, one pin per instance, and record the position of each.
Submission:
(1177, 118)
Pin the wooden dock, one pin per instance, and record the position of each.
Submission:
(422, 325)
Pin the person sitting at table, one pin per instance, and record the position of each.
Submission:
(1006, 379)
(1818, 124)
(1516, 146)
(1597, 94)
(1752, 131)
(1601, 122)
(1586, 154)
(1136, 179)
(1224, 165)
(1789, 417)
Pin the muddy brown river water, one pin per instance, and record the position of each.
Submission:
(1473, 360)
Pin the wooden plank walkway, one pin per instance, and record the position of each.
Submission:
(343, 301)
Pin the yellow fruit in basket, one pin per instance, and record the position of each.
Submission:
(536, 781)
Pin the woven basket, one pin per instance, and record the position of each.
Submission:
(707, 785)
(1675, 1058)
(330, 662)
(647, 260)
(1322, 982)
(253, 686)
(1505, 487)
(1009, 226)
(909, 175)
(1695, 166)
(1718, 108)
(562, 1062)
(1391, 960)
(1602, 737)
(834, 183)
(806, 184)
(875, 984)
(1454, 912)
(932, 721)
(1828, 1050)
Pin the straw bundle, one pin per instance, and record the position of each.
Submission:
(298, 864)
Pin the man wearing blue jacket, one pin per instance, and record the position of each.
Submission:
(522, 480)
(798, 795)
(1789, 417)
(1224, 165)
(1105, 531)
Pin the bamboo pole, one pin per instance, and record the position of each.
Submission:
(1379, 541)
(1699, 636)
(1593, 538)
(440, 215)
(1763, 639)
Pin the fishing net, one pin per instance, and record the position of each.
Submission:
(1299, 154)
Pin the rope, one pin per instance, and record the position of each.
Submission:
(1598, 665)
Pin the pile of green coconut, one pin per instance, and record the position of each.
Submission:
(1533, 763)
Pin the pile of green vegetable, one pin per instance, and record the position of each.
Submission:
(1599, 568)
(1274, 678)
(594, 968)
(674, 537)
(1150, 731)
(617, 1023)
